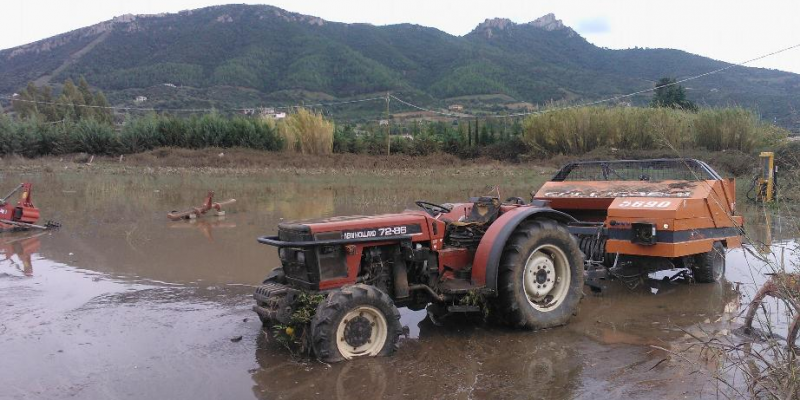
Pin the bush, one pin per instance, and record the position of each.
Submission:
(32, 137)
(581, 130)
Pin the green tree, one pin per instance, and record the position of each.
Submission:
(47, 106)
(670, 94)
(70, 101)
(88, 99)
(102, 114)
(25, 103)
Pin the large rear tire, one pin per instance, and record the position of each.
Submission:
(709, 267)
(540, 281)
(356, 321)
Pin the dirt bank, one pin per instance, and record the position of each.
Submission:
(240, 160)
(246, 161)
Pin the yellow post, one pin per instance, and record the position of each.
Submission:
(766, 181)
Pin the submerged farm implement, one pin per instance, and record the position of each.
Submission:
(23, 215)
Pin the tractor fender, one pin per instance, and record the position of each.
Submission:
(487, 257)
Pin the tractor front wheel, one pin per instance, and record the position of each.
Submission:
(540, 281)
(709, 267)
(356, 321)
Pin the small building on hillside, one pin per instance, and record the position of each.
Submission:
(270, 112)
(383, 122)
(456, 107)
(140, 99)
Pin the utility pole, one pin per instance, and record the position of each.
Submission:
(477, 133)
(388, 128)
(505, 125)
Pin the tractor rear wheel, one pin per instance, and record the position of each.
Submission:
(709, 267)
(540, 281)
(356, 321)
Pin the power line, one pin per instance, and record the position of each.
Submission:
(610, 99)
(429, 110)
(652, 89)
(119, 108)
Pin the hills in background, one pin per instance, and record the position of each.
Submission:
(236, 56)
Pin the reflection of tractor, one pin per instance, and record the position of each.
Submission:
(521, 260)
(23, 248)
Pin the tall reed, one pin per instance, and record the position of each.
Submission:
(580, 130)
(307, 132)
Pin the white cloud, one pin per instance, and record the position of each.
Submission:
(593, 26)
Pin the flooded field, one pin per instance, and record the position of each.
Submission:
(123, 303)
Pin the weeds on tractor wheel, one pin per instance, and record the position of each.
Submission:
(294, 335)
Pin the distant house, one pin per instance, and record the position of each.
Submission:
(170, 85)
(456, 107)
(248, 111)
(383, 122)
(140, 99)
(270, 112)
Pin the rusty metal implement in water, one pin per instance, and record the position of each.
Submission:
(23, 215)
(207, 206)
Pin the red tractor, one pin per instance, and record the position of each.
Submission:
(522, 261)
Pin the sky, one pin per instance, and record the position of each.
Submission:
(730, 30)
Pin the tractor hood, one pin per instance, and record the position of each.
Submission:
(601, 194)
(360, 226)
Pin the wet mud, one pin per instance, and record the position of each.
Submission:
(123, 303)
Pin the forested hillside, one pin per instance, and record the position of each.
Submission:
(248, 55)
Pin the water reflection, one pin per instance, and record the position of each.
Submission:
(18, 251)
(205, 226)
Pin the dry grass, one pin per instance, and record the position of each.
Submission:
(306, 132)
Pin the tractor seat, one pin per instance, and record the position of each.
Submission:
(484, 211)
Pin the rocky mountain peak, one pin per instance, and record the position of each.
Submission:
(548, 22)
(493, 25)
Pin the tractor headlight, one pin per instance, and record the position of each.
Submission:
(301, 257)
(644, 233)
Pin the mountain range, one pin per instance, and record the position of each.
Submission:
(236, 56)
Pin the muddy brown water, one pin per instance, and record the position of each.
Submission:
(122, 303)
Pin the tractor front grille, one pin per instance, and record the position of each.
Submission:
(299, 263)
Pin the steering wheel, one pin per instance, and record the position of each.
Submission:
(516, 200)
(431, 208)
